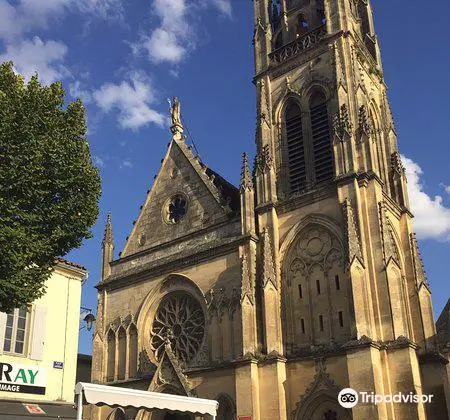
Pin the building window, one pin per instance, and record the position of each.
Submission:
(16, 331)
(302, 323)
(341, 319)
(321, 138)
(321, 322)
(300, 291)
(295, 147)
(338, 283)
(318, 286)
(175, 209)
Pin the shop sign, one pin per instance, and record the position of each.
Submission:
(24, 379)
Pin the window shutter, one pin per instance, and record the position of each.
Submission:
(295, 147)
(38, 333)
(3, 318)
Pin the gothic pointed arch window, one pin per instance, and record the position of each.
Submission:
(132, 350)
(295, 146)
(227, 410)
(111, 353)
(121, 353)
(321, 138)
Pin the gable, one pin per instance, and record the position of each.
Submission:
(186, 197)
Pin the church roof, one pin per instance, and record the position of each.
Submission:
(443, 326)
(204, 197)
(228, 189)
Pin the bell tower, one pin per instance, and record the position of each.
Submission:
(331, 202)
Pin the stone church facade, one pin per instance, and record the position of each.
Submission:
(307, 279)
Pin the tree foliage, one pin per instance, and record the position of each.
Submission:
(49, 188)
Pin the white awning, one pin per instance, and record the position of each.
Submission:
(127, 397)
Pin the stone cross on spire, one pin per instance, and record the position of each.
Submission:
(175, 112)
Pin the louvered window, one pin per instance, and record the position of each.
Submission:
(322, 153)
(295, 147)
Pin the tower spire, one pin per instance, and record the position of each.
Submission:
(107, 248)
(246, 177)
(108, 237)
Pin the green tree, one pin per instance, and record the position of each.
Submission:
(49, 188)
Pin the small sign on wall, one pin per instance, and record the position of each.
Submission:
(58, 365)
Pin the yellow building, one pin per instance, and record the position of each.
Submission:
(38, 348)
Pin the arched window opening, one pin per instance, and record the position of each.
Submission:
(226, 409)
(322, 152)
(295, 147)
(111, 353)
(275, 13)
(118, 414)
(321, 11)
(302, 24)
(132, 351)
(122, 353)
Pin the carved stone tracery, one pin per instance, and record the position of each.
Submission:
(179, 319)
(315, 245)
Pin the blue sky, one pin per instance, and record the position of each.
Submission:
(125, 57)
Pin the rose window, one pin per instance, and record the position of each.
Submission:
(179, 319)
(176, 209)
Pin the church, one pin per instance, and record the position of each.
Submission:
(273, 296)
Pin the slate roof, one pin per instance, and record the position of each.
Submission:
(443, 326)
(227, 189)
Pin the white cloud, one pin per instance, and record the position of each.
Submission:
(224, 6)
(98, 161)
(26, 15)
(432, 217)
(172, 40)
(76, 91)
(132, 98)
(38, 56)
(126, 163)
(46, 57)
(445, 187)
(104, 9)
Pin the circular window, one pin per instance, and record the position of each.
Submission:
(175, 209)
(179, 319)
